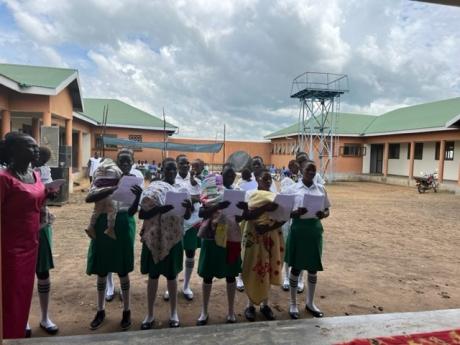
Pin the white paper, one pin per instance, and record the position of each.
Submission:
(176, 199)
(313, 204)
(234, 196)
(285, 206)
(123, 192)
(55, 185)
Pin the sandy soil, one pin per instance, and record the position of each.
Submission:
(387, 249)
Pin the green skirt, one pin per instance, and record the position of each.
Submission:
(45, 257)
(190, 240)
(169, 267)
(213, 261)
(304, 245)
(108, 255)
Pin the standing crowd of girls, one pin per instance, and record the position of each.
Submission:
(247, 250)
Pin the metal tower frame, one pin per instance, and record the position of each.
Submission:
(319, 97)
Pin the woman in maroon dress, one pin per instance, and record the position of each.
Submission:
(21, 194)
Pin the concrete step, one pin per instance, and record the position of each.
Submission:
(324, 331)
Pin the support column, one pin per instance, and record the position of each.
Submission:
(6, 122)
(411, 160)
(68, 142)
(442, 150)
(68, 132)
(46, 118)
(80, 151)
(36, 129)
(386, 148)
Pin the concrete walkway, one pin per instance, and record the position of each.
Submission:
(311, 331)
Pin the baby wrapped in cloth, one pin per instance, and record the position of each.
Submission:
(262, 253)
(163, 231)
(106, 176)
(224, 230)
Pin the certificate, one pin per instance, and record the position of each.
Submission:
(234, 196)
(123, 192)
(313, 204)
(285, 204)
(176, 199)
(55, 185)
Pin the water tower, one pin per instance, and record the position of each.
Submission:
(319, 98)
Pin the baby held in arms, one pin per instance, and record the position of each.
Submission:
(106, 176)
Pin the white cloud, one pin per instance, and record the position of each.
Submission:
(214, 62)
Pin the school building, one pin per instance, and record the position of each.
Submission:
(35, 99)
(393, 147)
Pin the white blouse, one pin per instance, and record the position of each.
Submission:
(300, 189)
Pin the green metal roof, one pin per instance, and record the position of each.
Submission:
(417, 117)
(347, 124)
(27, 76)
(426, 116)
(121, 114)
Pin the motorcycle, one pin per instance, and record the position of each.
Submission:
(428, 181)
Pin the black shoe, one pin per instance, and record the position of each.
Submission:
(294, 315)
(250, 313)
(203, 322)
(98, 320)
(28, 333)
(267, 312)
(52, 330)
(126, 320)
(314, 312)
(147, 325)
(174, 324)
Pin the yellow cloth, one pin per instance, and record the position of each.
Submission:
(262, 254)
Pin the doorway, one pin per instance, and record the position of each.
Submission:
(376, 158)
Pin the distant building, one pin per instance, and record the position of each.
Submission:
(405, 142)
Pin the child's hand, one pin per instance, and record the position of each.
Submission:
(224, 204)
(187, 204)
(136, 190)
(242, 205)
(271, 206)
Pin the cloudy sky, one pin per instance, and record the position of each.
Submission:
(230, 61)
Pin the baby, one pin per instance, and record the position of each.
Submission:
(106, 176)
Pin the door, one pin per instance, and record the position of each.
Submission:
(376, 159)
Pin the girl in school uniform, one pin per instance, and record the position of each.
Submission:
(221, 242)
(305, 241)
(161, 236)
(114, 255)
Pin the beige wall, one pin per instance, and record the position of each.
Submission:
(61, 104)
(342, 164)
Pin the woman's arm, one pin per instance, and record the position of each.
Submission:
(299, 212)
(188, 209)
(207, 212)
(262, 229)
(257, 212)
(137, 191)
(154, 211)
(98, 196)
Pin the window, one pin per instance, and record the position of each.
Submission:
(436, 151)
(408, 151)
(352, 150)
(449, 152)
(393, 151)
(99, 142)
(418, 154)
(135, 137)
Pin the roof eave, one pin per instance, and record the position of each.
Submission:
(450, 123)
(410, 131)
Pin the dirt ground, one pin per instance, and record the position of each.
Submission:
(387, 249)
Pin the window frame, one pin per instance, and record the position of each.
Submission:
(355, 150)
(394, 145)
